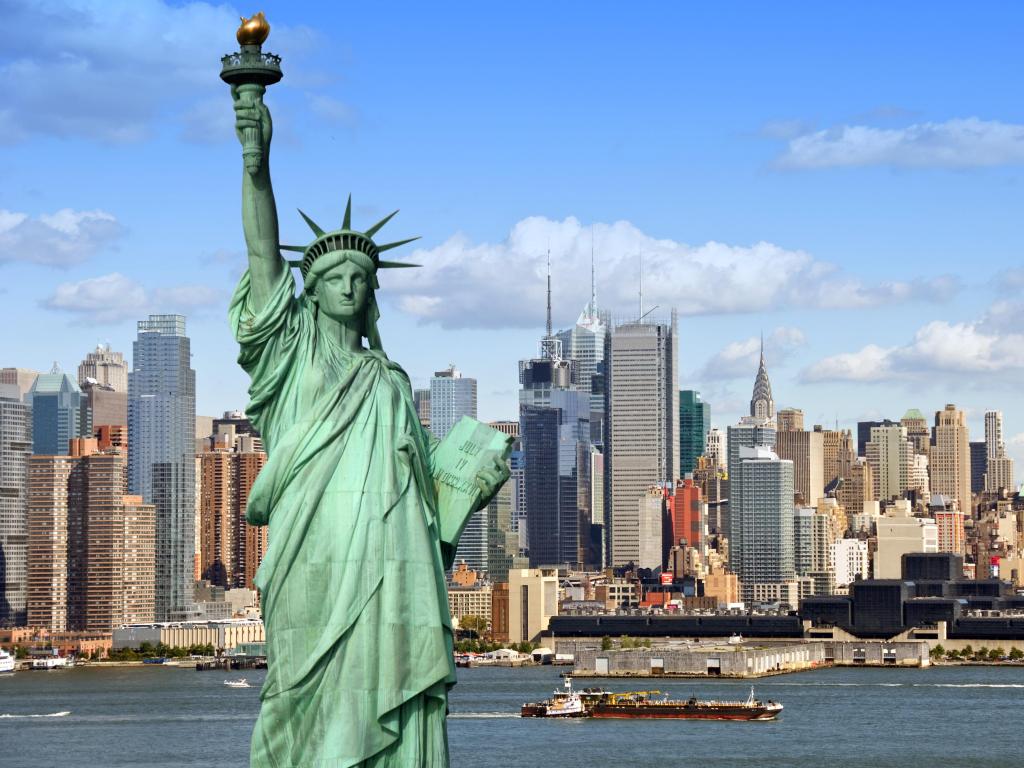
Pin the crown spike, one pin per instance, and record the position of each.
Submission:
(296, 248)
(395, 264)
(389, 246)
(377, 227)
(312, 224)
(347, 223)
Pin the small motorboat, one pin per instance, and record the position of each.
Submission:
(239, 683)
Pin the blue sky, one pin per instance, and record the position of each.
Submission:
(845, 178)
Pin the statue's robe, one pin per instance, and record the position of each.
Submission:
(359, 639)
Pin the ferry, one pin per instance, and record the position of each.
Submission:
(601, 704)
(240, 683)
(650, 705)
(50, 662)
(6, 662)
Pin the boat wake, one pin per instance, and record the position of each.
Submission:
(9, 716)
(969, 685)
(897, 685)
(482, 715)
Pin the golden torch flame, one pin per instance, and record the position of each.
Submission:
(253, 31)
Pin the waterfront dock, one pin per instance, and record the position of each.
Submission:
(748, 660)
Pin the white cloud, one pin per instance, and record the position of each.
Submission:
(106, 69)
(61, 238)
(958, 143)
(466, 284)
(969, 348)
(116, 297)
(739, 359)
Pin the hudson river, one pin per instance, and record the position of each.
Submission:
(848, 718)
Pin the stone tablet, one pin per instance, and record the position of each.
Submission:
(467, 449)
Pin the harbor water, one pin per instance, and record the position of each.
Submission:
(857, 718)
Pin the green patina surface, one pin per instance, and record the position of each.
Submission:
(364, 506)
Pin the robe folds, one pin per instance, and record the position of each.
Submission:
(359, 639)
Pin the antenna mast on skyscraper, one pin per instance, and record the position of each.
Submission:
(640, 315)
(593, 279)
(549, 293)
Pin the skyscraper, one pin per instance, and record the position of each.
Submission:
(15, 450)
(161, 451)
(105, 367)
(59, 413)
(750, 433)
(451, 397)
(979, 465)
(806, 451)
(998, 466)
(556, 449)
(694, 424)
(754, 431)
(950, 458)
(642, 417)
(555, 433)
(765, 514)
(891, 457)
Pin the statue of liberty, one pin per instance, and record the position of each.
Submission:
(353, 591)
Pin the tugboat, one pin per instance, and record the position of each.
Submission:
(563, 703)
(642, 704)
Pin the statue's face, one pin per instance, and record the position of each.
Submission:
(342, 292)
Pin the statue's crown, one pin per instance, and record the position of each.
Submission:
(346, 239)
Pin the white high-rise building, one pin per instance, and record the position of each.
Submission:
(998, 466)
(851, 561)
(161, 452)
(642, 445)
(452, 396)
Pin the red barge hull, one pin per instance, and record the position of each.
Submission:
(683, 713)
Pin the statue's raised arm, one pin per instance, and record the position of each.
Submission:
(259, 211)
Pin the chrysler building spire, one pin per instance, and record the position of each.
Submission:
(761, 404)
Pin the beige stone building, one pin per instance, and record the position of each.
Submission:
(950, 458)
(532, 601)
(790, 420)
(891, 457)
(806, 451)
(858, 486)
(898, 533)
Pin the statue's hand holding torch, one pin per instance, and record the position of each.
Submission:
(253, 125)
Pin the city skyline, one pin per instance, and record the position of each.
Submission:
(861, 214)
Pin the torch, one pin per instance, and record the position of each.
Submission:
(251, 70)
